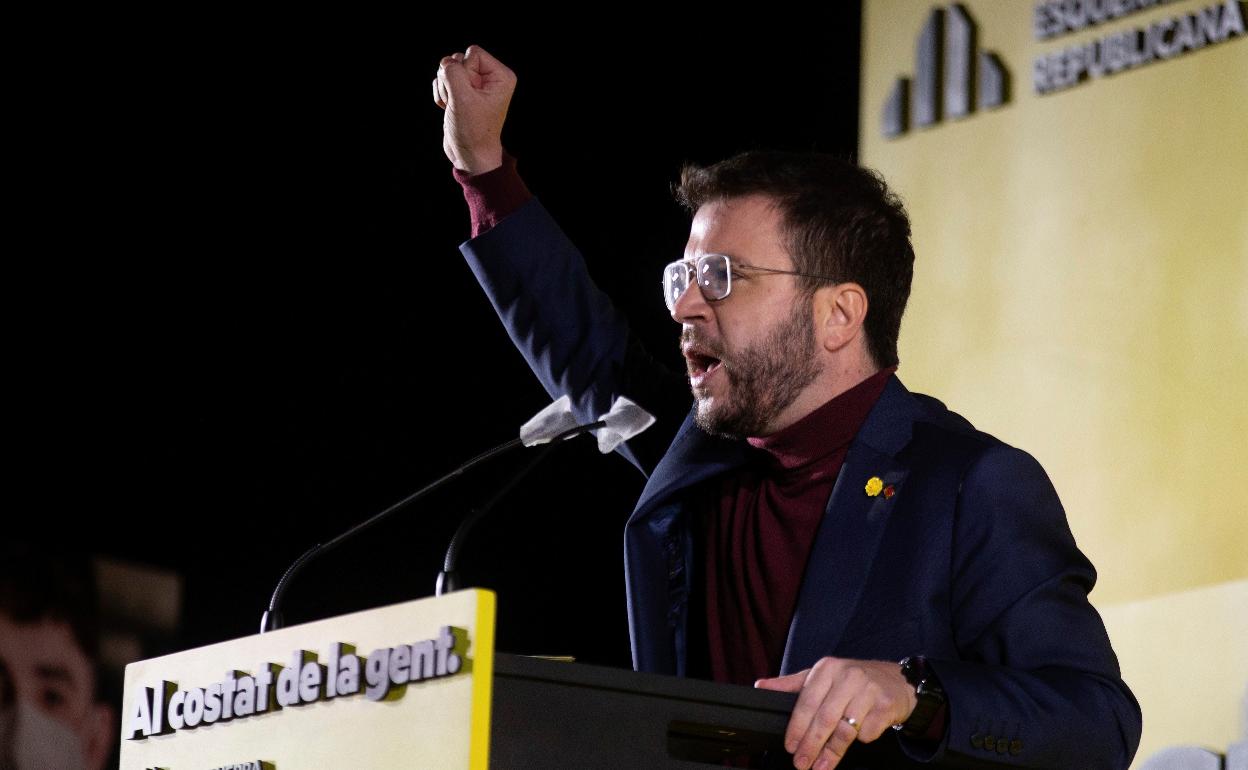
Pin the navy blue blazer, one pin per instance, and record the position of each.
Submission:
(971, 562)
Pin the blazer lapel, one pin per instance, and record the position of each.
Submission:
(693, 457)
(849, 535)
(657, 547)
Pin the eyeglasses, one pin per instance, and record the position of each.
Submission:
(714, 277)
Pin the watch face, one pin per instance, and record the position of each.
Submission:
(913, 668)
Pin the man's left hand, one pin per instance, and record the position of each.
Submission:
(841, 701)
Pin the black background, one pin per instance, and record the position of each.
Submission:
(241, 322)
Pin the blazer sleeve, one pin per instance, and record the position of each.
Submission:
(1036, 682)
(568, 331)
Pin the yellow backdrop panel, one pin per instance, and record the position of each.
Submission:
(1081, 284)
(1180, 652)
(1081, 291)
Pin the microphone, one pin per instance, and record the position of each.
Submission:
(552, 425)
(622, 421)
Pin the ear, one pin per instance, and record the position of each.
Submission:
(99, 731)
(839, 314)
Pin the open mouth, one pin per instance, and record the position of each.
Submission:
(700, 364)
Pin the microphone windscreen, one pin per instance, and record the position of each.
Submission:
(548, 423)
(624, 421)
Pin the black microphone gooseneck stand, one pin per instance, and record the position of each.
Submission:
(272, 618)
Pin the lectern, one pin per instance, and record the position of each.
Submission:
(418, 685)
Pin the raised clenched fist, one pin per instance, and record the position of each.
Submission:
(474, 89)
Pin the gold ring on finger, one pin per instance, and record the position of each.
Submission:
(852, 723)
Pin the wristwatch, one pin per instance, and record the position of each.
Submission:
(927, 689)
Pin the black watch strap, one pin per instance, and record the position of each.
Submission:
(927, 689)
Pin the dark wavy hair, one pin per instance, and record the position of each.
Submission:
(839, 220)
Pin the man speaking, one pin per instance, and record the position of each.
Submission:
(809, 525)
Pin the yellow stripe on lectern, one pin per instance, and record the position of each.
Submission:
(482, 681)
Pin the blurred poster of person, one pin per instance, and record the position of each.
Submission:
(51, 715)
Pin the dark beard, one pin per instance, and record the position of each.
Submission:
(766, 378)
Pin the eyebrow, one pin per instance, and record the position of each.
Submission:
(54, 672)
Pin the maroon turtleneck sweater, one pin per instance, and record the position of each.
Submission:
(760, 527)
(493, 195)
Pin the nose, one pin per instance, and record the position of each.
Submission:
(691, 305)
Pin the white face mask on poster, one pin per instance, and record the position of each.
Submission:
(39, 742)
